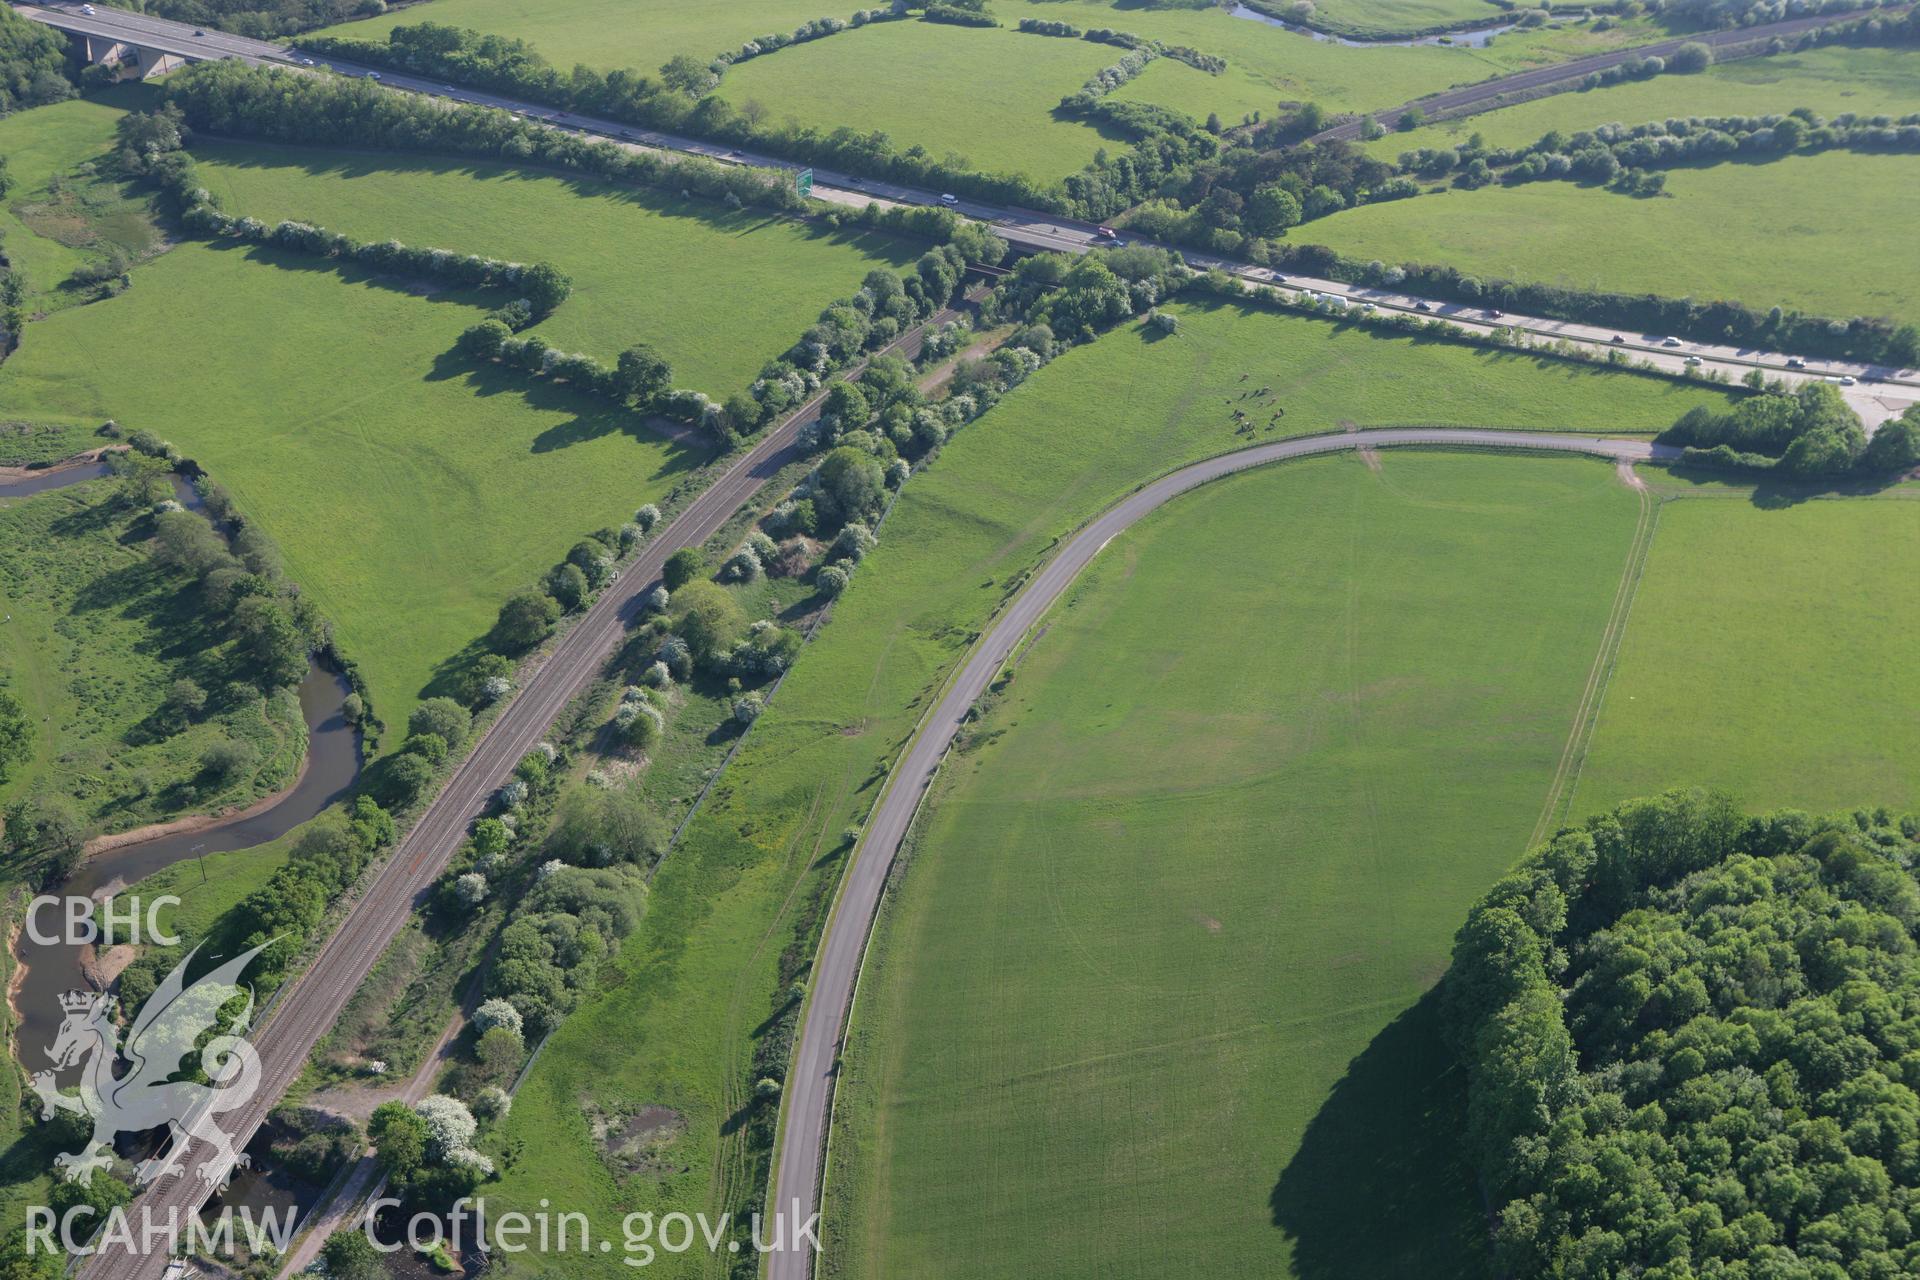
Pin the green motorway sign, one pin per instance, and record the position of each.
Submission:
(803, 182)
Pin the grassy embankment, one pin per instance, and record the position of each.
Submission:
(677, 1029)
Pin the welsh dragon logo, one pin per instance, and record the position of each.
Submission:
(162, 1038)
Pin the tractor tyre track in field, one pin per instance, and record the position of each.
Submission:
(807, 1105)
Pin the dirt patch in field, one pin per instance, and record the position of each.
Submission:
(1370, 456)
(1629, 477)
(357, 1103)
(637, 1143)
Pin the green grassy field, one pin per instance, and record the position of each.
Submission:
(1829, 81)
(409, 492)
(1389, 16)
(677, 1028)
(1146, 997)
(1816, 232)
(1267, 66)
(717, 293)
(1770, 653)
(609, 33)
(59, 215)
(987, 95)
(904, 78)
(95, 634)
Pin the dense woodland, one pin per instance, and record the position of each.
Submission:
(1693, 1044)
(33, 61)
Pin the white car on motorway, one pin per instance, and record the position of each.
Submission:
(949, 199)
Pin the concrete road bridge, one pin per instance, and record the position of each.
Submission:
(142, 46)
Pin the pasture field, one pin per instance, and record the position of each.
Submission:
(60, 215)
(1268, 67)
(1828, 81)
(409, 491)
(95, 634)
(1388, 16)
(988, 95)
(1770, 654)
(1816, 232)
(718, 293)
(1148, 994)
(679, 1023)
(902, 78)
(607, 33)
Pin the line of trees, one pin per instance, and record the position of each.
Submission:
(150, 145)
(328, 857)
(886, 305)
(960, 13)
(679, 98)
(529, 616)
(1808, 433)
(669, 101)
(265, 19)
(1748, 13)
(1692, 1045)
(1212, 64)
(1778, 329)
(228, 97)
(1622, 156)
(817, 29)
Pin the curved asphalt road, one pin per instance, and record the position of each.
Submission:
(309, 1007)
(807, 1106)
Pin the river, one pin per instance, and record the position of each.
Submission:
(332, 762)
(1474, 38)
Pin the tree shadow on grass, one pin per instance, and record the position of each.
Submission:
(1380, 1186)
(350, 272)
(591, 417)
(1777, 493)
(334, 163)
